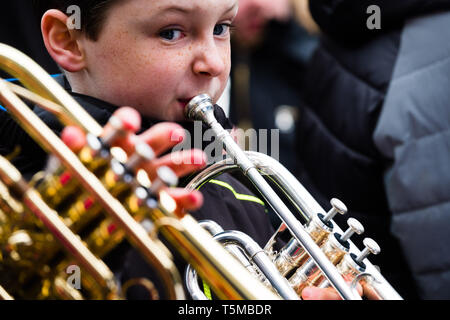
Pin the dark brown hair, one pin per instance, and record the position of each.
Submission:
(93, 12)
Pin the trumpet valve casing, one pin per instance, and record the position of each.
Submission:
(309, 274)
(292, 254)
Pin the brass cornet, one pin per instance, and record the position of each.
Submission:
(84, 206)
(319, 252)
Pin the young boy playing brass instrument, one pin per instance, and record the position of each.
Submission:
(154, 56)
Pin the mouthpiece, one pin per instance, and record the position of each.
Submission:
(200, 108)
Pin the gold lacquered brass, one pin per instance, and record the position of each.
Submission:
(84, 190)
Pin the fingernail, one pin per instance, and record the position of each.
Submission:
(193, 198)
(306, 293)
(177, 135)
(198, 158)
(130, 118)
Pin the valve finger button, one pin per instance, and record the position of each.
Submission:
(166, 177)
(93, 142)
(142, 152)
(354, 226)
(337, 207)
(117, 130)
(370, 247)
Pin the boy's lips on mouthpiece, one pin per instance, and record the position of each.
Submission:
(184, 102)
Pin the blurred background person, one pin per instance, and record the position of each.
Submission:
(374, 131)
(269, 53)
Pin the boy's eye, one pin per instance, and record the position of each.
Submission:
(221, 29)
(171, 34)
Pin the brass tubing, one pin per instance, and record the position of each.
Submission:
(5, 295)
(36, 79)
(56, 226)
(37, 129)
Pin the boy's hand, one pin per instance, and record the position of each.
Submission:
(315, 293)
(160, 137)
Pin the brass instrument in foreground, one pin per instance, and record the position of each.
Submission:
(84, 205)
(319, 252)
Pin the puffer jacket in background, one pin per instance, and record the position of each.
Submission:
(414, 132)
(345, 93)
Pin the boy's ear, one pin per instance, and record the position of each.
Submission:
(61, 42)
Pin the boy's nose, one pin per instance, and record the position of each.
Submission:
(209, 61)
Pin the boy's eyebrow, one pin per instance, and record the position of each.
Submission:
(232, 7)
(177, 8)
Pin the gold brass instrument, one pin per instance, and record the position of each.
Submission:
(81, 207)
(319, 252)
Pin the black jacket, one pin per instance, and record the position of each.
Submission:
(220, 201)
(347, 82)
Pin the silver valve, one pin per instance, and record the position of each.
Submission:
(117, 130)
(354, 226)
(93, 142)
(371, 247)
(337, 207)
(166, 177)
(142, 152)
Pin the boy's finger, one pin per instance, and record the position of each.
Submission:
(185, 199)
(130, 118)
(130, 121)
(314, 293)
(160, 137)
(74, 138)
(163, 136)
(181, 162)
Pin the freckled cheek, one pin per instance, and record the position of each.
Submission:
(227, 64)
(113, 67)
(167, 72)
(155, 84)
(226, 57)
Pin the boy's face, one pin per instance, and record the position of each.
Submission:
(155, 55)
